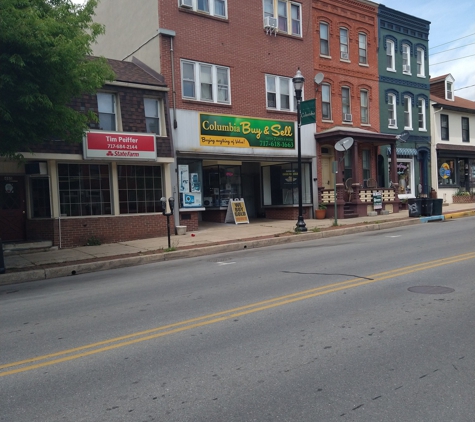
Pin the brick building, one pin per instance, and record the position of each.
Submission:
(107, 188)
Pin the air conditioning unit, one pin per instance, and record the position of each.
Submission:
(208, 201)
(406, 68)
(347, 117)
(270, 22)
(344, 56)
(450, 95)
(187, 4)
(392, 122)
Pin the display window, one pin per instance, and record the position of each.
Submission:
(190, 184)
(221, 183)
(447, 171)
(280, 184)
(405, 176)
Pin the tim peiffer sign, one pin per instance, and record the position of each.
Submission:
(120, 146)
(221, 130)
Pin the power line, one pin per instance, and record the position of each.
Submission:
(458, 89)
(466, 36)
(433, 64)
(450, 49)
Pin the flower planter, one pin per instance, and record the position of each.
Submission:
(320, 214)
(463, 199)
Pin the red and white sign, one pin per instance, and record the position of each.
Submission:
(120, 146)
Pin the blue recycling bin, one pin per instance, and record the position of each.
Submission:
(414, 207)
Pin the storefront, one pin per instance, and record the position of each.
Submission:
(230, 157)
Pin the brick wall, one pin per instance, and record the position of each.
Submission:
(290, 213)
(190, 220)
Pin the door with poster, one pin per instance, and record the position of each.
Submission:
(12, 208)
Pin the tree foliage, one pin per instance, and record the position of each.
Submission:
(45, 48)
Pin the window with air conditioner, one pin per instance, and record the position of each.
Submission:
(406, 59)
(392, 122)
(270, 22)
(279, 93)
(216, 8)
(205, 82)
(344, 53)
(345, 104)
(364, 111)
(407, 112)
(288, 15)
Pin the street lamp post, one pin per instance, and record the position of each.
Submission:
(171, 203)
(298, 81)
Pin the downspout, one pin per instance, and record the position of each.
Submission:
(172, 59)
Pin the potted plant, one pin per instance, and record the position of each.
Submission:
(321, 212)
(462, 197)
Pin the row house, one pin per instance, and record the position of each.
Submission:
(346, 54)
(107, 188)
(403, 68)
(232, 102)
(453, 145)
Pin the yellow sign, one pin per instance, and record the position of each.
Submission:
(237, 212)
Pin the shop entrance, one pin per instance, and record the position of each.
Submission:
(12, 208)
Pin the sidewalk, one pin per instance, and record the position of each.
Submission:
(211, 238)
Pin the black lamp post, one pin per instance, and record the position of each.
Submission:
(298, 81)
(171, 203)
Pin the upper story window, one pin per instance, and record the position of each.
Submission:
(107, 105)
(406, 59)
(390, 62)
(392, 116)
(465, 130)
(449, 90)
(421, 62)
(212, 7)
(344, 53)
(288, 14)
(364, 106)
(407, 112)
(152, 115)
(362, 49)
(324, 44)
(205, 82)
(278, 92)
(345, 104)
(326, 102)
(444, 127)
(421, 111)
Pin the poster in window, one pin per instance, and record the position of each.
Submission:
(183, 178)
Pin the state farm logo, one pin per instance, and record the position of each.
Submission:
(110, 153)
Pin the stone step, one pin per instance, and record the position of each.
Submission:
(12, 248)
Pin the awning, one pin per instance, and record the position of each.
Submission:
(404, 152)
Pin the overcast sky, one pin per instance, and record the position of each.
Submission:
(451, 38)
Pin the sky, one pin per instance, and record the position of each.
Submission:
(451, 38)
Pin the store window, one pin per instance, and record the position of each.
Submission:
(405, 175)
(140, 189)
(190, 183)
(280, 184)
(447, 171)
(84, 189)
(221, 183)
(40, 197)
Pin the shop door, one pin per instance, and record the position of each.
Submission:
(12, 208)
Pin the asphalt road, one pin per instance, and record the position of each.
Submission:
(325, 330)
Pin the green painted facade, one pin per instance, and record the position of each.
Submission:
(402, 41)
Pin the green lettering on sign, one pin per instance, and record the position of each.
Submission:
(245, 132)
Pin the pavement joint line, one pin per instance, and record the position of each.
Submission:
(221, 316)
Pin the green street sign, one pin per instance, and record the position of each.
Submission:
(307, 112)
(222, 130)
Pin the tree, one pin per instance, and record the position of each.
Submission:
(45, 63)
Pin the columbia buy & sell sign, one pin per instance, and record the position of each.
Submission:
(220, 130)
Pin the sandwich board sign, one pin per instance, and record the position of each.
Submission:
(237, 212)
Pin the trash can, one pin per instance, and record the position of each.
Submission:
(414, 207)
(426, 207)
(437, 206)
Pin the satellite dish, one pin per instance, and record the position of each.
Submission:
(344, 144)
(403, 137)
(318, 78)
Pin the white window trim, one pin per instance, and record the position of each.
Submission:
(289, 4)
(292, 99)
(406, 50)
(160, 116)
(325, 39)
(423, 64)
(451, 90)
(347, 44)
(329, 101)
(194, 6)
(392, 101)
(424, 120)
(214, 82)
(391, 45)
(409, 111)
(365, 48)
(367, 105)
(118, 121)
(349, 105)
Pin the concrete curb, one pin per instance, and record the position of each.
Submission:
(83, 268)
(459, 214)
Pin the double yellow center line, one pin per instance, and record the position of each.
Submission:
(189, 324)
